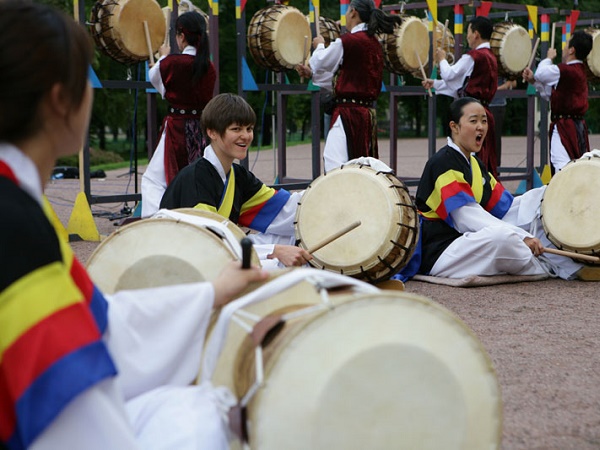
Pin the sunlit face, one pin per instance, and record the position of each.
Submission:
(471, 36)
(233, 144)
(471, 129)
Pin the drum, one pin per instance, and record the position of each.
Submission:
(329, 29)
(353, 370)
(118, 28)
(400, 49)
(389, 230)
(512, 46)
(277, 36)
(569, 207)
(592, 60)
(172, 249)
(444, 40)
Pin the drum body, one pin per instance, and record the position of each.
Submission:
(570, 205)
(387, 236)
(400, 49)
(593, 58)
(372, 370)
(277, 36)
(512, 46)
(118, 28)
(162, 252)
(444, 40)
(329, 29)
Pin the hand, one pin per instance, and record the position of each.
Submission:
(551, 53)
(318, 40)
(304, 71)
(164, 50)
(528, 76)
(428, 83)
(535, 245)
(233, 279)
(290, 255)
(440, 55)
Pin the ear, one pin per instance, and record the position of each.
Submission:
(58, 100)
(212, 134)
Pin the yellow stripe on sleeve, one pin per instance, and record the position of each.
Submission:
(263, 195)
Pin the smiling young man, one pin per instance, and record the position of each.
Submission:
(216, 183)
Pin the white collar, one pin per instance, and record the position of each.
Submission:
(24, 169)
(483, 45)
(451, 144)
(359, 27)
(211, 156)
(189, 50)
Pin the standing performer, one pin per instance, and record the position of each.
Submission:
(187, 82)
(565, 85)
(471, 225)
(79, 369)
(352, 66)
(475, 75)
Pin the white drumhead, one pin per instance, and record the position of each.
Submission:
(512, 45)
(382, 371)
(593, 58)
(157, 252)
(289, 36)
(129, 26)
(570, 206)
(412, 38)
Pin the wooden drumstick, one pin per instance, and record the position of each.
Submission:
(422, 71)
(553, 35)
(537, 42)
(317, 22)
(167, 41)
(304, 56)
(148, 42)
(444, 34)
(334, 236)
(573, 255)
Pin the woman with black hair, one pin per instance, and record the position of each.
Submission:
(187, 82)
(352, 66)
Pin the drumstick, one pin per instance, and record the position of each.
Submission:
(553, 34)
(304, 56)
(246, 244)
(444, 34)
(423, 71)
(571, 254)
(537, 42)
(334, 236)
(148, 42)
(317, 22)
(167, 41)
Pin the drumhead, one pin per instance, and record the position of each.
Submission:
(379, 371)
(512, 46)
(389, 223)
(400, 49)
(570, 205)
(593, 58)
(157, 252)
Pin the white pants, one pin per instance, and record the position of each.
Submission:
(154, 181)
(335, 152)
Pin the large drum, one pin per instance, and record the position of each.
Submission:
(512, 46)
(593, 58)
(355, 369)
(329, 29)
(183, 246)
(279, 37)
(118, 28)
(389, 230)
(400, 49)
(444, 40)
(570, 205)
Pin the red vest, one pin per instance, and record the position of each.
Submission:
(483, 82)
(570, 97)
(180, 91)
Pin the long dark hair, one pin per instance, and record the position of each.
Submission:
(455, 111)
(193, 26)
(377, 20)
(39, 47)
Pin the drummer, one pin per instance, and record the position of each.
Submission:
(355, 62)
(216, 184)
(471, 225)
(565, 85)
(475, 74)
(79, 369)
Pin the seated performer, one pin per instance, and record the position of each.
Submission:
(78, 369)
(470, 225)
(565, 85)
(215, 183)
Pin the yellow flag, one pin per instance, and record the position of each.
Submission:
(432, 4)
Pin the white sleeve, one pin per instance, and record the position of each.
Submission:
(547, 76)
(472, 217)
(156, 335)
(453, 76)
(283, 223)
(324, 63)
(155, 78)
(94, 420)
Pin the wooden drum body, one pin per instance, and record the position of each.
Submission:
(512, 46)
(277, 36)
(356, 370)
(329, 29)
(118, 28)
(592, 60)
(570, 206)
(387, 236)
(400, 49)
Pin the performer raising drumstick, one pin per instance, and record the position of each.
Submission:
(471, 225)
(187, 82)
(565, 85)
(356, 61)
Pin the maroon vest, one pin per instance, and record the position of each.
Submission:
(360, 75)
(570, 97)
(181, 92)
(483, 82)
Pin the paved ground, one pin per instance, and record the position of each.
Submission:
(543, 337)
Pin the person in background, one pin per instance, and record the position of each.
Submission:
(565, 85)
(471, 225)
(498, 109)
(81, 369)
(352, 67)
(216, 183)
(475, 75)
(187, 81)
